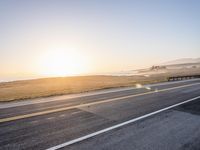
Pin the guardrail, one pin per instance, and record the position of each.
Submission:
(177, 78)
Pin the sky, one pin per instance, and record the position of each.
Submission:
(72, 37)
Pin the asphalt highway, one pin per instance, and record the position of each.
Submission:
(51, 123)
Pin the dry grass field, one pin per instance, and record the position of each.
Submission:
(20, 90)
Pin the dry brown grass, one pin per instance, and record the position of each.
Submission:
(27, 89)
(58, 86)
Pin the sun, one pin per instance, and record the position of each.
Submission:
(61, 62)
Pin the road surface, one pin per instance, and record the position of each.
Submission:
(150, 117)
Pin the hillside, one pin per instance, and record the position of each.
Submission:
(182, 61)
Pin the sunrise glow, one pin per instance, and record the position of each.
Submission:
(62, 62)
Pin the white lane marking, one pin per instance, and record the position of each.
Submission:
(63, 115)
(69, 96)
(50, 118)
(36, 121)
(118, 125)
(75, 112)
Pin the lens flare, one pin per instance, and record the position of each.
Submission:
(138, 86)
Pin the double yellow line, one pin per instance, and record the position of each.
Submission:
(88, 104)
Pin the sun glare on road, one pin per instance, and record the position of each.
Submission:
(62, 62)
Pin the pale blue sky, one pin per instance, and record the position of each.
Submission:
(112, 35)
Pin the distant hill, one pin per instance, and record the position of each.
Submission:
(182, 61)
(178, 64)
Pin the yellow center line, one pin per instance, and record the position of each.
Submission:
(88, 104)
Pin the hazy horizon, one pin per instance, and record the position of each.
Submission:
(65, 38)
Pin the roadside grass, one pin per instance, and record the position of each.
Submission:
(28, 89)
